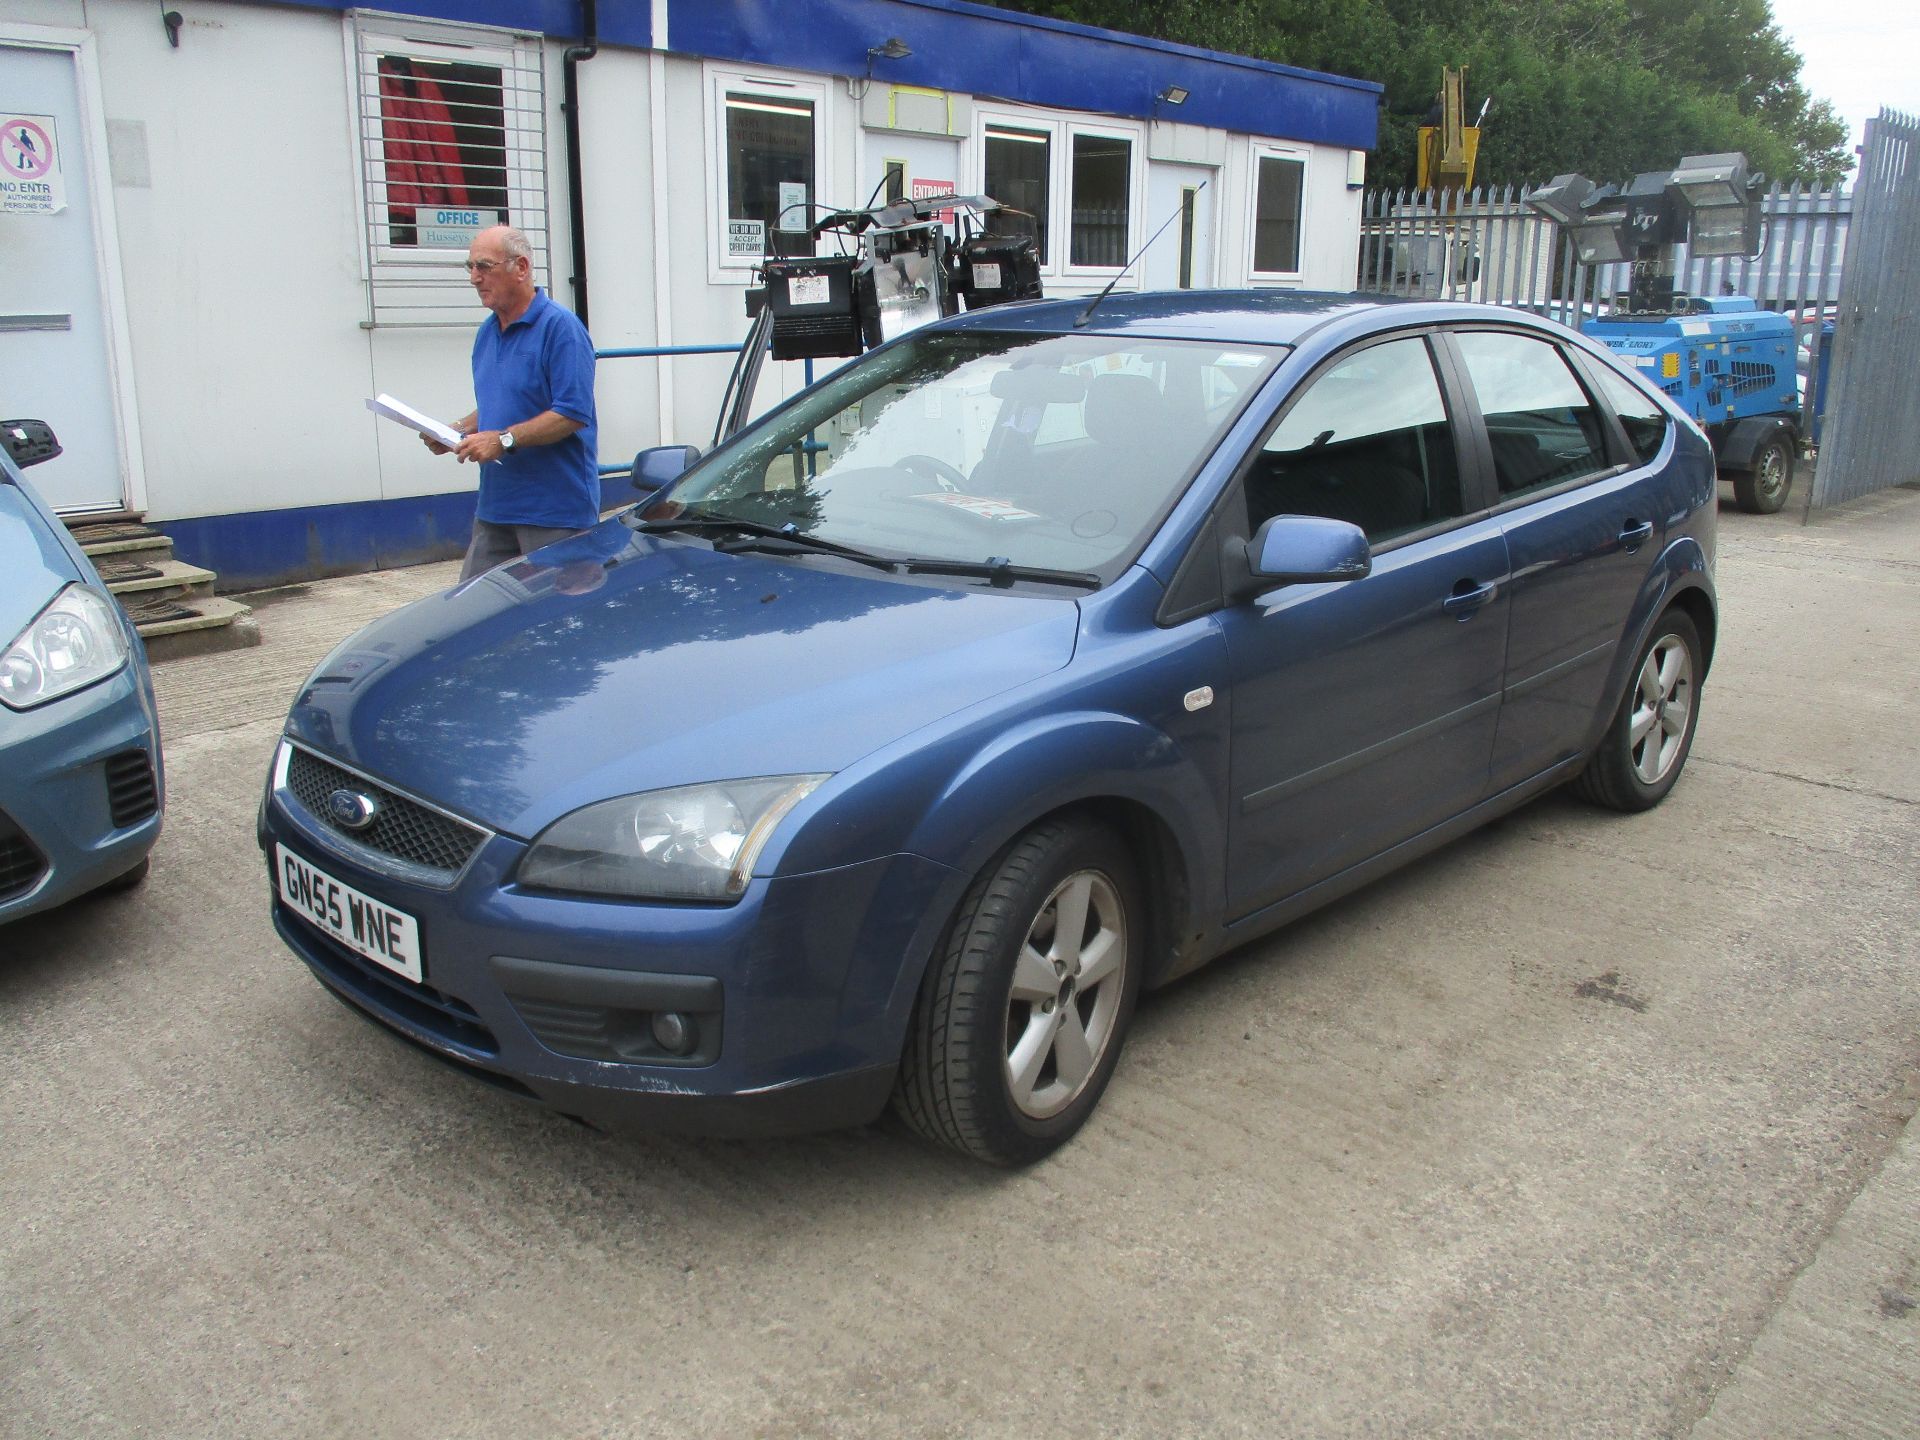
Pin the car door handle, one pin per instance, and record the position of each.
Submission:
(1635, 534)
(1467, 598)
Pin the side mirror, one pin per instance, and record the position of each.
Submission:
(1298, 548)
(653, 470)
(28, 442)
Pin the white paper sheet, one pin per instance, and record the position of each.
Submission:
(411, 418)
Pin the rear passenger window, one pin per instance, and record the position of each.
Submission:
(1544, 429)
(1368, 442)
(1644, 421)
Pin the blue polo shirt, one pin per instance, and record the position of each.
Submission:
(542, 361)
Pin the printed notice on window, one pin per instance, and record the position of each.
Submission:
(30, 182)
(746, 239)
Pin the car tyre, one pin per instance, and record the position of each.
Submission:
(1762, 490)
(1645, 748)
(1022, 1014)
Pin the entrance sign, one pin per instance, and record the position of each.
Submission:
(30, 182)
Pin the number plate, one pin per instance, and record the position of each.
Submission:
(364, 925)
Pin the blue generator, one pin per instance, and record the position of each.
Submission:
(1732, 367)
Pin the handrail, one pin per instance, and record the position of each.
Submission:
(648, 352)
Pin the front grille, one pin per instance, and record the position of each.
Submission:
(21, 865)
(403, 828)
(132, 795)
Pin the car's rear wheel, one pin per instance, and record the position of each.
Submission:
(1763, 489)
(1022, 1014)
(1646, 746)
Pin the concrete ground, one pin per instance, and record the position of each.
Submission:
(1588, 1126)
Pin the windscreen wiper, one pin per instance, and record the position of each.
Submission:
(756, 535)
(1000, 571)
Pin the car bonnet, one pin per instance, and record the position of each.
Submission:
(572, 676)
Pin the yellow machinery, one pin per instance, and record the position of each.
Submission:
(1446, 151)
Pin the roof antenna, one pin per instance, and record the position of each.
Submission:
(1087, 314)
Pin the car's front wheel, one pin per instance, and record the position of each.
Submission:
(1644, 749)
(1022, 1013)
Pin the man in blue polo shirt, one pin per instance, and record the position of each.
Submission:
(532, 432)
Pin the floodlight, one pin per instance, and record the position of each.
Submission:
(1711, 180)
(1560, 198)
(993, 269)
(1173, 95)
(816, 311)
(1722, 203)
(907, 290)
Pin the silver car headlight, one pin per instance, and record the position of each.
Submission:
(694, 842)
(75, 641)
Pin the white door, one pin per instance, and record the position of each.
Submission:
(56, 341)
(926, 161)
(1182, 258)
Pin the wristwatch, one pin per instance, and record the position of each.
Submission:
(506, 441)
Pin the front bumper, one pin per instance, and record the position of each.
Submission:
(798, 994)
(81, 793)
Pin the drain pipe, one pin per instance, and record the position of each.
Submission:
(570, 106)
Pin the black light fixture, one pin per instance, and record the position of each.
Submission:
(1173, 95)
(892, 48)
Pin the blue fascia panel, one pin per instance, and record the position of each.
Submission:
(279, 547)
(622, 22)
(978, 50)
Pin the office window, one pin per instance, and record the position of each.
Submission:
(770, 171)
(1279, 189)
(1102, 181)
(451, 125)
(1018, 172)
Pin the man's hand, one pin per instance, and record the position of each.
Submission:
(434, 445)
(480, 447)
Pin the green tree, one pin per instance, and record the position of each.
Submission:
(1606, 87)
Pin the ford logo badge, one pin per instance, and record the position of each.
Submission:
(351, 810)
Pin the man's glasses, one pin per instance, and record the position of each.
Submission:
(485, 267)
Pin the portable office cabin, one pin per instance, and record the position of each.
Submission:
(264, 225)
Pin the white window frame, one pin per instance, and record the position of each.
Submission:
(1062, 129)
(415, 277)
(723, 269)
(1257, 151)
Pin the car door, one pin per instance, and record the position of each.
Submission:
(1364, 711)
(1583, 519)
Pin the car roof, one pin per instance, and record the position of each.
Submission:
(1242, 317)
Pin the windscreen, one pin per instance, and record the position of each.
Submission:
(1060, 452)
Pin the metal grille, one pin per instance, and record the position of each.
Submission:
(403, 828)
(21, 865)
(451, 121)
(132, 795)
(1873, 431)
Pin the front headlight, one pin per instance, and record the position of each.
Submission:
(73, 642)
(695, 842)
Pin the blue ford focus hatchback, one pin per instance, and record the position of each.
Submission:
(1032, 660)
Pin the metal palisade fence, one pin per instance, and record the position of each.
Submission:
(1490, 246)
(1872, 439)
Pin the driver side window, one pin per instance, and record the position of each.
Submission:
(1368, 442)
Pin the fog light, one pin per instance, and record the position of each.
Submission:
(673, 1032)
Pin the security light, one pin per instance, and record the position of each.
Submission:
(1711, 180)
(892, 48)
(1560, 198)
(1721, 201)
(1173, 95)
